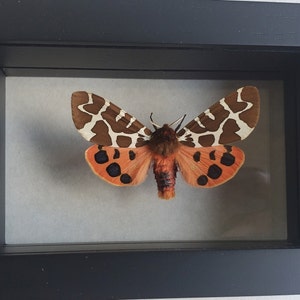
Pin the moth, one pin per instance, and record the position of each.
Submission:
(124, 148)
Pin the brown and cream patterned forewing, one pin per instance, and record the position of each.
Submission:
(104, 123)
(231, 119)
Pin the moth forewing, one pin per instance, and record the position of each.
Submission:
(231, 119)
(104, 123)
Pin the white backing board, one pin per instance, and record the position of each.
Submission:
(52, 196)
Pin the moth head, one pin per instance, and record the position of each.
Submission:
(179, 120)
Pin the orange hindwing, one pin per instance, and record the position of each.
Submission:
(119, 166)
(209, 166)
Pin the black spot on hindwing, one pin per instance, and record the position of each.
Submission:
(113, 170)
(212, 155)
(101, 157)
(116, 154)
(227, 159)
(214, 172)
(131, 155)
(125, 178)
(202, 180)
(196, 156)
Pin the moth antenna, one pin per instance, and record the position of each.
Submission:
(152, 122)
(178, 120)
(180, 123)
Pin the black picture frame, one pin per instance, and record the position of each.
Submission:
(154, 39)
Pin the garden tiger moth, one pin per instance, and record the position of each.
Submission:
(124, 148)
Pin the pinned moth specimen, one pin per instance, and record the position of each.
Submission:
(124, 148)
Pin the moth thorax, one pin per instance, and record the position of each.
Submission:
(164, 141)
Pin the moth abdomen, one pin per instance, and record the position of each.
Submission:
(165, 169)
(164, 179)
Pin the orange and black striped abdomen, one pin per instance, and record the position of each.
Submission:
(165, 169)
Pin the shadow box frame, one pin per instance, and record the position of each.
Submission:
(45, 40)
